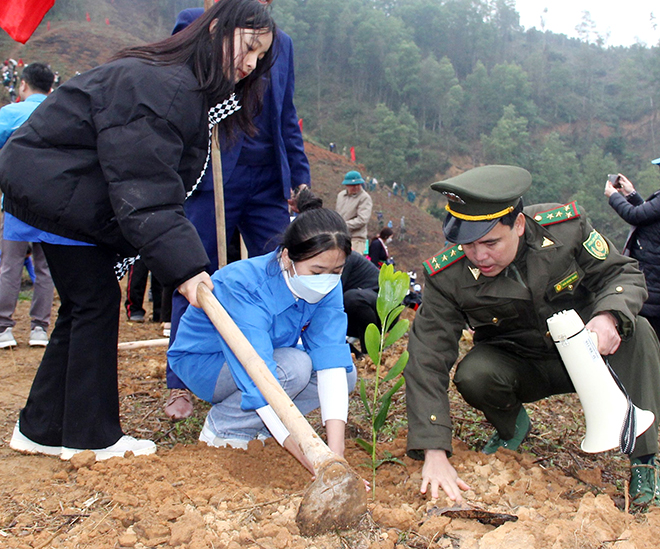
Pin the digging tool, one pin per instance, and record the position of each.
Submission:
(337, 498)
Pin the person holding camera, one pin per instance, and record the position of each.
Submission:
(643, 242)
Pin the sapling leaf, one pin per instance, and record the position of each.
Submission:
(389, 394)
(364, 445)
(379, 421)
(400, 285)
(392, 316)
(372, 341)
(400, 328)
(398, 367)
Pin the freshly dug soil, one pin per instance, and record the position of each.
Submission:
(192, 496)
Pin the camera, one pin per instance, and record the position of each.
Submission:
(615, 180)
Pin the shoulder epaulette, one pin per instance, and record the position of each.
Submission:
(443, 259)
(558, 215)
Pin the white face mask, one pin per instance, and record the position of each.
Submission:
(389, 240)
(311, 288)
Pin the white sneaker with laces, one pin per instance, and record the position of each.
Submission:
(38, 337)
(22, 443)
(208, 436)
(139, 447)
(7, 339)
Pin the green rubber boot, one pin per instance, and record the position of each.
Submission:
(644, 486)
(523, 427)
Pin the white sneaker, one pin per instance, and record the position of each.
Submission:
(23, 444)
(167, 328)
(211, 439)
(139, 447)
(7, 339)
(38, 337)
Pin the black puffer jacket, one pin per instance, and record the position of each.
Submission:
(108, 158)
(643, 242)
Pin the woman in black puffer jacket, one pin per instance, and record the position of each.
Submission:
(643, 242)
(101, 170)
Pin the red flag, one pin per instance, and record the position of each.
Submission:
(20, 18)
(107, 20)
(88, 17)
(300, 123)
(352, 154)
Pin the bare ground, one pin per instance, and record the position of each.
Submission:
(192, 496)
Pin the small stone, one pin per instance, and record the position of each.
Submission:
(128, 538)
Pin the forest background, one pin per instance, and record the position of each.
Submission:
(422, 88)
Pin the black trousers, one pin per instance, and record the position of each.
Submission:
(74, 399)
(138, 275)
(360, 307)
(497, 381)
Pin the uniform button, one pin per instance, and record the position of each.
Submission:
(495, 320)
(570, 286)
(619, 289)
(433, 418)
(548, 334)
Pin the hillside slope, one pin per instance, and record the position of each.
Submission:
(423, 236)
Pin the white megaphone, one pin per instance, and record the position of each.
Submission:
(607, 410)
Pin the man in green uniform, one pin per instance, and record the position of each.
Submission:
(508, 272)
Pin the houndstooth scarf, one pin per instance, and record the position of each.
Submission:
(216, 114)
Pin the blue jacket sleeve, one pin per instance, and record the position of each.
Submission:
(6, 126)
(197, 353)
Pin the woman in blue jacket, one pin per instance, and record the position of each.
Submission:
(289, 305)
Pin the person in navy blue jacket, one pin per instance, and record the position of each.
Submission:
(258, 173)
(643, 242)
(288, 303)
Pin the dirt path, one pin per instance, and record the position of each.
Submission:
(192, 496)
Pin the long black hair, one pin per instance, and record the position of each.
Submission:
(204, 51)
(315, 230)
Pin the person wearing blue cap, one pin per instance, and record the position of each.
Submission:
(643, 241)
(354, 205)
(506, 272)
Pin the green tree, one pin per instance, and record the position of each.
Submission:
(555, 172)
(513, 88)
(589, 193)
(647, 180)
(395, 138)
(509, 142)
(441, 94)
(403, 66)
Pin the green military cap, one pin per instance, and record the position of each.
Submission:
(478, 198)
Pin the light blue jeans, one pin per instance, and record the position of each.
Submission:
(297, 378)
